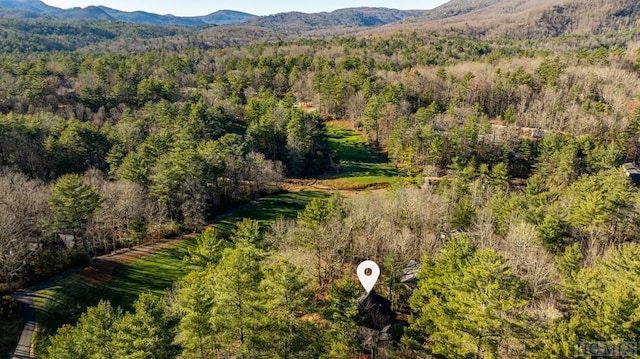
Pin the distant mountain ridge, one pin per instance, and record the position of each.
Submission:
(27, 5)
(350, 17)
(36, 8)
(292, 21)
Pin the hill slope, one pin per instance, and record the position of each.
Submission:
(529, 18)
(351, 17)
(35, 6)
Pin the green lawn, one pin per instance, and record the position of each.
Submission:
(268, 209)
(358, 162)
(64, 302)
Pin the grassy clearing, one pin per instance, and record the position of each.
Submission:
(268, 209)
(360, 165)
(64, 302)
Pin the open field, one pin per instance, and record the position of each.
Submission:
(360, 165)
(268, 209)
(63, 302)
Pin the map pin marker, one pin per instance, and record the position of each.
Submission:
(368, 281)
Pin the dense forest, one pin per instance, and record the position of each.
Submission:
(512, 198)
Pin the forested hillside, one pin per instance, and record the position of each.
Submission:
(530, 19)
(512, 196)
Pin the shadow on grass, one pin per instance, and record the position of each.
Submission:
(356, 158)
(268, 209)
(64, 302)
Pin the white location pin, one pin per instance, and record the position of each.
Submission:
(368, 281)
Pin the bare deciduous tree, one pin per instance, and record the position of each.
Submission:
(23, 208)
(528, 258)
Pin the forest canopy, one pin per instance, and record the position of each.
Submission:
(511, 192)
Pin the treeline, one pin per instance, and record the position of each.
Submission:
(39, 35)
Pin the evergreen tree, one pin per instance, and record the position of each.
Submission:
(238, 315)
(603, 302)
(73, 204)
(341, 340)
(286, 334)
(91, 338)
(192, 303)
(467, 304)
(149, 332)
(208, 250)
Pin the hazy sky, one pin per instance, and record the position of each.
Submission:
(256, 7)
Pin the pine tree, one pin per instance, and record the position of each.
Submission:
(238, 314)
(286, 334)
(467, 303)
(602, 302)
(344, 315)
(208, 250)
(147, 333)
(73, 204)
(193, 302)
(91, 338)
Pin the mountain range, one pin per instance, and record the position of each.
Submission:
(354, 17)
(518, 19)
(36, 8)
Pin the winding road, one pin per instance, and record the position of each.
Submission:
(103, 264)
(25, 298)
(102, 268)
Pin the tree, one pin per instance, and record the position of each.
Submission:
(91, 338)
(286, 335)
(238, 314)
(600, 203)
(73, 204)
(209, 249)
(307, 147)
(23, 209)
(149, 332)
(321, 229)
(178, 180)
(192, 302)
(247, 231)
(467, 303)
(344, 314)
(602, 301)
(372, 115)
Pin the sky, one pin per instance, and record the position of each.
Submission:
(256, 7)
